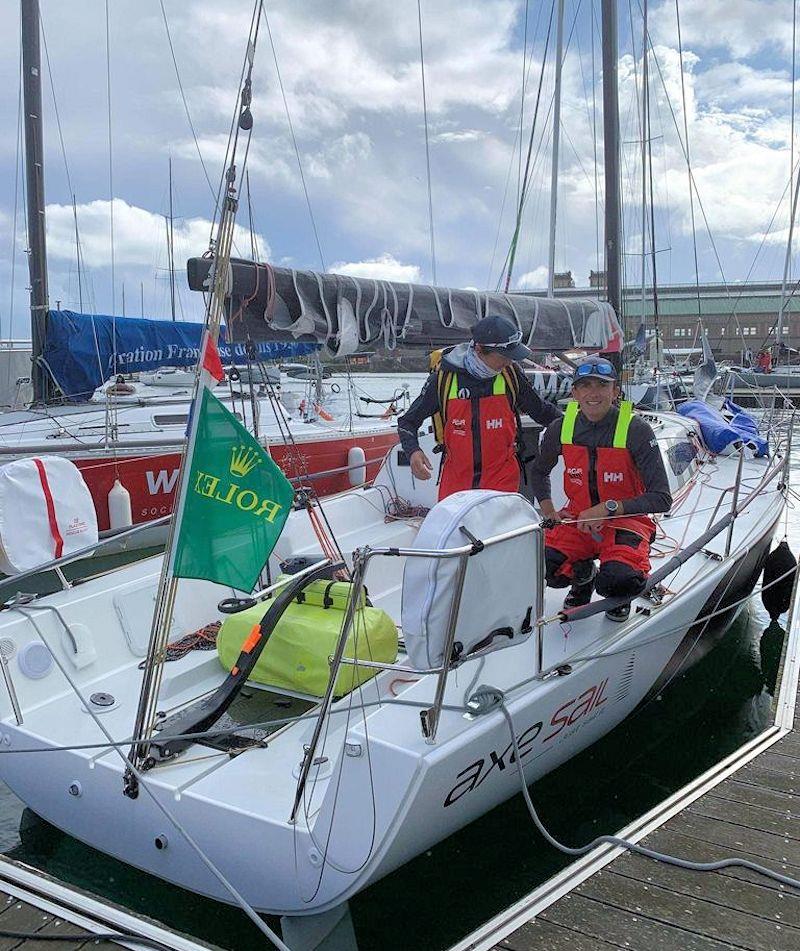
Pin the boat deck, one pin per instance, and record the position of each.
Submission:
(748, 806)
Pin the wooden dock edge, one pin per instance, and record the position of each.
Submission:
(546, 894)
(29, 885)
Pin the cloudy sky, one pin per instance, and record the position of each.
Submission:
(352, 82)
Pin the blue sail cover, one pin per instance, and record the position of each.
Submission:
(79, 349)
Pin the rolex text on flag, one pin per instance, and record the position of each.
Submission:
(237, 501)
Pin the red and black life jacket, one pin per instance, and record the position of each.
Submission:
(479, 436)
(594, 475)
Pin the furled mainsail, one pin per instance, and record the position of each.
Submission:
(348, 314)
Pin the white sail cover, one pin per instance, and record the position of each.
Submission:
(347, 313)
(499, 592)
(46, 512)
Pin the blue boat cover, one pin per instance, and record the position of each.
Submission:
(82, 351)
(719, 432)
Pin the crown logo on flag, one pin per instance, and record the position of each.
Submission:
(243, 460)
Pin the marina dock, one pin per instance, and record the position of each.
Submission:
(37, 906)
(18, 916)
(747, 806)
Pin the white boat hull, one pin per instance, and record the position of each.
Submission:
(382, 794)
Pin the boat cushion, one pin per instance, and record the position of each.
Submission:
(297, 650)
(499, 586)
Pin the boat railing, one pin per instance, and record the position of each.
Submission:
(58, 564)
(430, 716)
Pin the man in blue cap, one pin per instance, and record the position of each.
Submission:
(614, 480)
(475, 396)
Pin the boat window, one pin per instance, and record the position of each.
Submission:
(171, 419)
(680, 455)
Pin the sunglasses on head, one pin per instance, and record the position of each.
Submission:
(513, 341)
(601, 368)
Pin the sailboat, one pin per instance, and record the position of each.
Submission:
(294, 795)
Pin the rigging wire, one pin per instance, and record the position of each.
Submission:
(598, 259)
(523, 192)
(649, 141)
(688, 159)
(233, 131)
(516, 144)
(294, 140)
(111, 180)
(522, 92)
(793, 208)
(214, 195)
(427, 142)
(526, 190)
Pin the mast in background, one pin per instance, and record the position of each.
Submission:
(171, 246)
(611, 154)
(34, 174)
(551, 262)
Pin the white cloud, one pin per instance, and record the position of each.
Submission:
(742, 27)
(351, 75)
(737, 83)
(383, 268)
(139, 235)
(534, 280)
(465, 135)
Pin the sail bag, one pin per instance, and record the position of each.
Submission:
(298, 648)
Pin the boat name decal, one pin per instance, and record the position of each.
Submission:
(162, 481)
(473, 776)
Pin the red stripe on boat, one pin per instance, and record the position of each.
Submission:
(51, 509)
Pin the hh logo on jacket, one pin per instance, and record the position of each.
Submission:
(494, 423)
(613, 477)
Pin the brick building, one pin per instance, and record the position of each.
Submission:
(740, 319)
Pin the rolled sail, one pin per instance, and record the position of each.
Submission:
(347, 314)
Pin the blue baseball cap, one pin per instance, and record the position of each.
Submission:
(600, 368)
(501, 334)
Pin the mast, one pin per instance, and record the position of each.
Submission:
(611, 153)
(77, 253)
(786, 265)
(34, 173)
(551, 264)
(171, 246)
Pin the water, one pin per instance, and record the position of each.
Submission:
(720, 704)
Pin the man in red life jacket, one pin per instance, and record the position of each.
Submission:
(614, 479)
(475, 396)
(764, 361)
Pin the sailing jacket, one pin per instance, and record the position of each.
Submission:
(479, 424)
(616, 458)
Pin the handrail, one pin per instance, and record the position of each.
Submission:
(605, 604)
(56, 563)
(430, 716)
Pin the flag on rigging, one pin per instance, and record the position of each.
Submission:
(236, 501)
(211, 359)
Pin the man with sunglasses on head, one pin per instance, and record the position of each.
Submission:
(475, 397)
(614, 479)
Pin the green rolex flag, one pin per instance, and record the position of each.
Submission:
(236, 502)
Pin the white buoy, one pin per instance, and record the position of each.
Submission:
(119, 506)
(357, 457)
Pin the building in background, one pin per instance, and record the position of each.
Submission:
(739, 319)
